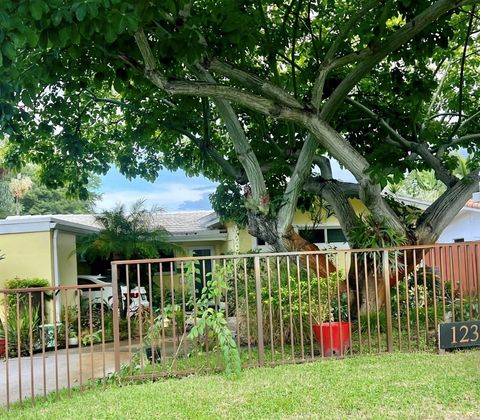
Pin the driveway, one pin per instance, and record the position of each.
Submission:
(60, 370)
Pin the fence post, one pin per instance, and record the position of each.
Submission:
(258, 292)
(388, 302)
(116, 314)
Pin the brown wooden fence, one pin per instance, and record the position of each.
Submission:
(277, 308)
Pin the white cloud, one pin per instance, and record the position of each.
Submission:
(169, 196)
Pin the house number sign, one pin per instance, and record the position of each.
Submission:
(459, 334)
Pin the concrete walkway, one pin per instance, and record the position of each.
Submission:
(64, 369)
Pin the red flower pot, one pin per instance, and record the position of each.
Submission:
(333, 337)
(2, 347)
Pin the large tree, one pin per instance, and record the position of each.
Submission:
(258, 95)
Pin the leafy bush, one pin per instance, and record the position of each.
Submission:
(19, 325)
(18, 283)
(69, 315)
(19, 319)
(290, 305)
(465, 310)
(211, 320)
(23, 299)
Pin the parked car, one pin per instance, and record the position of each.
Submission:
(105, 294)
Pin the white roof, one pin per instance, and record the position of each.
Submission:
(174, 222)
(183, 226)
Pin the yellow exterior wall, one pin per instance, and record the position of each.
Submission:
(67, 258)
(67, 264)
(27, 255)
(30, 255)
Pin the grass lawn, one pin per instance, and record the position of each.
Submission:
(414, 385)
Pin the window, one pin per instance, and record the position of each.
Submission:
(323, 235)
(335, 235)
(458, 240)
(315, 236)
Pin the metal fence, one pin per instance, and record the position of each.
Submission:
(278, 308)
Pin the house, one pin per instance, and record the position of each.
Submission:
(44, 246)
(465, 226)
(40, 247)
(200, 233)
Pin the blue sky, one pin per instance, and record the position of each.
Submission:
(171, 191)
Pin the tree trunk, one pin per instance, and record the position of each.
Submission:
(265, 228)
(319, 263)
(367, 290)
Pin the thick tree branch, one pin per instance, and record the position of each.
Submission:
(337, 195)
(243, 150)
(439, 215)
(324, 165)
(203, 89)
(341, 150)
(253, 102)
(252, 81)
(391, 43)
(149, 61)
(300, 173)
(315, 184)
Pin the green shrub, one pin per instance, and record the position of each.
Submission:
(213, 320)
(290, 304)
(19, 318)
(20, 326)
(18, 283)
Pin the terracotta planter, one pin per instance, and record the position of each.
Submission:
(333, 337)
(2, 347)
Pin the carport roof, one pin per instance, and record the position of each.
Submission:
(26, 224)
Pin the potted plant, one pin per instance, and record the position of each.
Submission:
(72, 338)
(333, 336)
